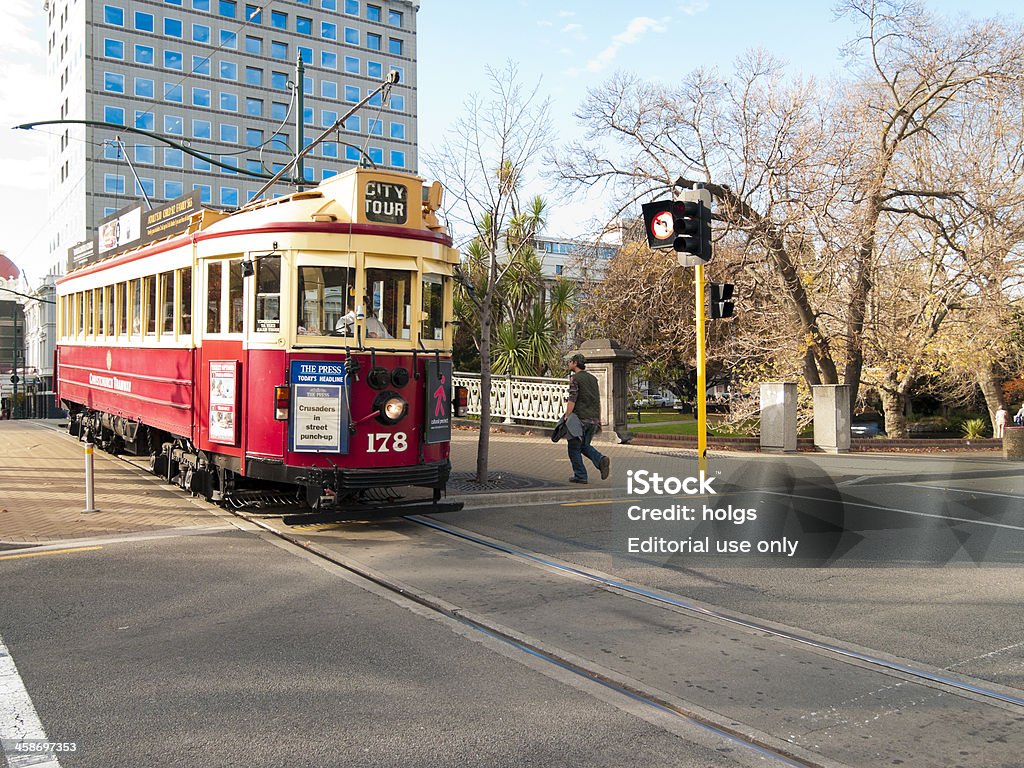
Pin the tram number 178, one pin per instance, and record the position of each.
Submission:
(385, 442)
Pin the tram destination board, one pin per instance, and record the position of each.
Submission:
(319, 407)
(386, 203)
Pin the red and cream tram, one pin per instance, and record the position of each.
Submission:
(302, 342)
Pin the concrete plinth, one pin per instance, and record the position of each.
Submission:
(778, 416)
(607, 361)
(832, 418)
(1013, 443)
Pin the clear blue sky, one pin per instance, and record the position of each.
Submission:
(571, 45)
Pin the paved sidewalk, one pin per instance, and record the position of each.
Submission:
(42, 491)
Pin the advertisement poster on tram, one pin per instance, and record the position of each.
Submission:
(223, 381)
(319, 419)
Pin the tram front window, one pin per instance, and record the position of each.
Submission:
(389, 300)
(323, 297)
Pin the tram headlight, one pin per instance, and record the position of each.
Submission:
(391, 407)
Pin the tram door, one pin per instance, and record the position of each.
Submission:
(222, 368)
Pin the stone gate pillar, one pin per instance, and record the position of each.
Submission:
(607, 361)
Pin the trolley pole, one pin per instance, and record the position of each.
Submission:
(702, 383)
(300, 122)
(90, 491)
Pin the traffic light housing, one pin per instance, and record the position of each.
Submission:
(683, 225)
(721, 300)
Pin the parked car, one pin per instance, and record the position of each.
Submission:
(869, 424)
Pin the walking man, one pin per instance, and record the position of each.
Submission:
(585, 402)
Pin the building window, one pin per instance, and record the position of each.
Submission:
(143, 21)
(328, 89)
(144, 55)
(329, 31)
(375, 127)
(200, 65)
(395, 18)
(254, 14)
(278, 111)
(114, 115)
(328, 117)
(205, 193)
(173, 60)
(172, 27)
(279, 80)
(278, 50)
(398, 131)
(228, 70)
(329, 5)
(145, 120)
(113, 184)
(374, 69)
(373, 12)
(173, 189)
(306, 54)
(231, 161)
(352, 154)
(200, 33)
(254, 45)
(113, 49)
(254, 76)
(227, 8)
(372, 41)
(394, 46)
(112, 150)
(303, 25)
(201, 165)
(397, 102)
(352, 94)
(377, 155)
(253, 137)
(200, 5)
(328, 60)
(173, 2)
(229, 196)
(352, 65)
(351, 35)
(113, 15)
(307, 116)
(352, 7)
(174, 125)
(201, 129)
(352, 124)
(228, 102)
(397, 159)
(201, 97)
(145, 154)
(229, 133)
(145, 88)
(279, 19)
(228, 39)
(330, 149)
(174, 158)
(254, 107)
(173, 92)
(253, 166)
(113, 82)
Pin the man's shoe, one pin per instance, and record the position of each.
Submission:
(606, 468)
(577, 480)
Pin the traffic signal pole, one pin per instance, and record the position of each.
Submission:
(702, 380)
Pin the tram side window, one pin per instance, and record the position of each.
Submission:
(80, 314)
(322, 299)
(389, 299)
(88, 313)
(236, 286)
(213, 285)
(101, 311)
(136, 307)
(123, 308)
(268, 295)
(185, 301)
(151, 304)
(108, 308)
(432, 326)
(167, 303)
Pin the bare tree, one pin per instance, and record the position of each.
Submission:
(485, 163)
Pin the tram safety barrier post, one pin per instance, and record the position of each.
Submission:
(90, 491)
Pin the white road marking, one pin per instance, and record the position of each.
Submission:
(877, 508)
(18, 718)
(962, 490)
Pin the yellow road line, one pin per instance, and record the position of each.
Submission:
(49, 552)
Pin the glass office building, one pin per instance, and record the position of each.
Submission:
(219, 77)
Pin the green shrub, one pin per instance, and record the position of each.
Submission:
(973, 429)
